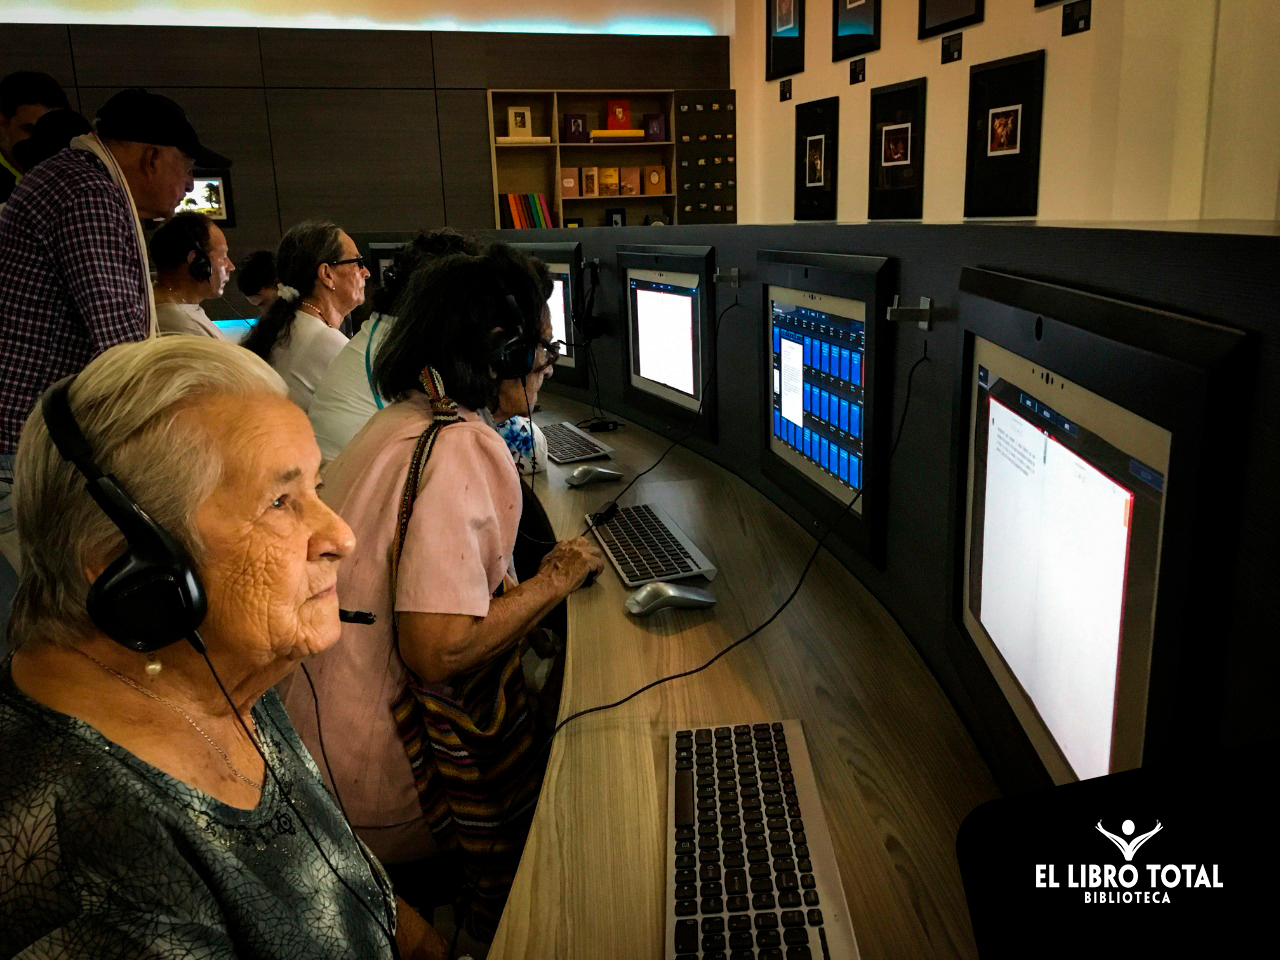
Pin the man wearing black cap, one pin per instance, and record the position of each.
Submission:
(73, 266)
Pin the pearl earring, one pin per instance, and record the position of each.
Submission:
(153, 667)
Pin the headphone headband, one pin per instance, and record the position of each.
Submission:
(151, 595)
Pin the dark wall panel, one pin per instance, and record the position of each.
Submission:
(347, 58)
(464, 157)
(166, 56)
(233, 122)
(38, 46)
(608, 62)
(369, 160)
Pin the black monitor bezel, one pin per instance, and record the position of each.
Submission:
(569, 252)
(659, 415)
(855, 277)
(1183, 374)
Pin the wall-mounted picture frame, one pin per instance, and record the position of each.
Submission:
(1002, 168)
(817, 158)
(895, 188)
(944, 16)
(615, 216)
(574, 128)
(784, 38)
(855, 28)
(210, 195)
(519, 122)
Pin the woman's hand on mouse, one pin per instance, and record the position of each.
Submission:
(572, 561)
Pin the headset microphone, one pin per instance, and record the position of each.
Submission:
(357, 616)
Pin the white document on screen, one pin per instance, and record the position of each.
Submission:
(1054, 553)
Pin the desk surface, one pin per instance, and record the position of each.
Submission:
(896, 769)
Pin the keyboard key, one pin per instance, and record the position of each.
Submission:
(795, 935)
(686, 939)
(815, 918)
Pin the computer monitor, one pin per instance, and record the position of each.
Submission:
(236, 329)
(1088, 518)
(564, 262)
(670, 348)
(825, 373)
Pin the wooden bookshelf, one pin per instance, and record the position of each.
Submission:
(534, 168)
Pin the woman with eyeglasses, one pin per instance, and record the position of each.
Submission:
(431, 492)
(322, 279)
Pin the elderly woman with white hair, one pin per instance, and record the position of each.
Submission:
(154, 800)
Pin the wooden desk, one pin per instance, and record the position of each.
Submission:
(896, 770)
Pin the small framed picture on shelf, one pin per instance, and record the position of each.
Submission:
(575, 128)
(590, 186)
(655, 126)
(615, 217)
(519, 122)
(619, 115)
(572, 222)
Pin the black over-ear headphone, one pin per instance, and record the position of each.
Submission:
(151, 596)
(515, 358)
(199, 266)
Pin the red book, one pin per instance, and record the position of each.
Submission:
(546, 210)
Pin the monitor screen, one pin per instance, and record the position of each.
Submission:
(236, 330)
(666, 346)
(561, 306)
(208, 196)
(1065, 510)
(818, 348)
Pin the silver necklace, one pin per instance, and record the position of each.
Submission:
(178, 710)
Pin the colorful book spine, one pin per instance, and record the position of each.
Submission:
(546, 210)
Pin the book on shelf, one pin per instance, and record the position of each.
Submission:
(590, 182)
(524, 211)
(522, 140)
(568, 181)
(608, 181)
(655, 179)
(629, 181)
(617, 136)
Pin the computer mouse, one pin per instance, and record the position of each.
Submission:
(658, 596)
(590, 473)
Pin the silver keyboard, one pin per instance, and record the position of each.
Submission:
(644, 545)
(567, 444)
(751, 872)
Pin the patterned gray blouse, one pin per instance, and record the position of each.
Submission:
(102, 855)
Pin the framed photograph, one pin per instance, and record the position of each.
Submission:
(855, 28)
(575, 128)
(814, 171)
(210, 195)
(944, 16)
(655, 126)
(816, 156)
(519, 122)
(619, 115)
(784, 38)
(895, 145)
(615, 217)
(590, 183)
(1002, 165)
(1002, 129)
(895, 188)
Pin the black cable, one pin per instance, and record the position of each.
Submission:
(198, 642)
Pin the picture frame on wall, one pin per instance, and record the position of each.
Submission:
(784, 38)
(615, 217)
(855, 28)
(817, 159)
(946, 16)
(1002, 167)
(519, 122)
(210, 194)
(895, 189)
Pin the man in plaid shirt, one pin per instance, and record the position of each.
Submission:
(73, 274)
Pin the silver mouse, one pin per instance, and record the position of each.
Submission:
(589, 473)
(658, 596)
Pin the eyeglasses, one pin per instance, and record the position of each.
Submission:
(358, 261)
(551, 351)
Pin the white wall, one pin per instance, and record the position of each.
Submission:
(1127, 111)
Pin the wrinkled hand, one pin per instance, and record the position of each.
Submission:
(415, 938)
(571, 562)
